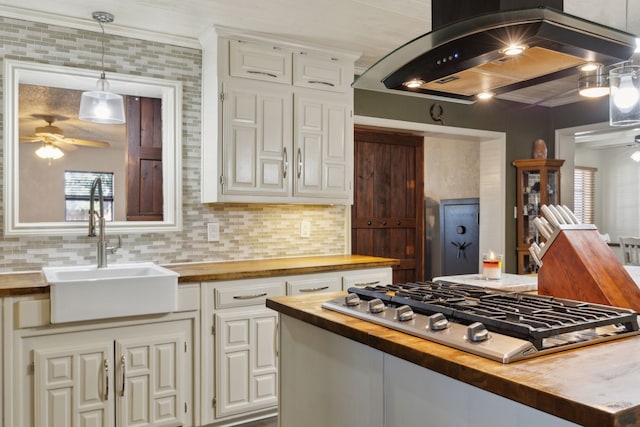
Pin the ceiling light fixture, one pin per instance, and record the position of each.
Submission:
(49, 152)
(514, 49)
(485, 95)
(413, 84)
(593, 81)
(624, 105)
(102, 105)
(635, 156)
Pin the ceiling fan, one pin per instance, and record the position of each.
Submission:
(53, 135)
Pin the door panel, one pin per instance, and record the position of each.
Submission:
(387, 214)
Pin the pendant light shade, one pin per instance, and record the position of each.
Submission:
(624, 100)
(102, 105)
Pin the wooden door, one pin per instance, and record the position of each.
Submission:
(144, 159)
(387, 215)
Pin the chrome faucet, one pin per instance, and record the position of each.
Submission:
(102, 241)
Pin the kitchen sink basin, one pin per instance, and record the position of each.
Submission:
(86, 292)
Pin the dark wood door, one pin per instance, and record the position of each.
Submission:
(387, 215)
(144, 159)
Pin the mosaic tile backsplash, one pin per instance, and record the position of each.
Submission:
(247, 231)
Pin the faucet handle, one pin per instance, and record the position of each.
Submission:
(114, 249)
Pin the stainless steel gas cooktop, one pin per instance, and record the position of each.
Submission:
(499, 325)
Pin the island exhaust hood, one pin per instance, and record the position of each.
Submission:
(456, 62)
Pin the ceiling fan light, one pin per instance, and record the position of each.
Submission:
(49, 151)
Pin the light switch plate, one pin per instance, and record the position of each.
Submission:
(213, 232)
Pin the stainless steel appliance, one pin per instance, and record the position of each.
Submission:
(500, 325)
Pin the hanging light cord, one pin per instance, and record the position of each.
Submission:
(102, 18)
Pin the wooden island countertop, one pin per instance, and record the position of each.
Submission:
(13, 284)
(594, 386)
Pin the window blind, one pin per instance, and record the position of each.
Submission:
(584, 182)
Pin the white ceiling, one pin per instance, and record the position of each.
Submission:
(371, 28)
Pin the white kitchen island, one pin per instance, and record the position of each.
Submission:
(339, 371)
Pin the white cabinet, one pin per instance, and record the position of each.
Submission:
(239, 352)
(322, 71)
(324, 146)
(367, 277)
(132, 376)
(261, 61)
(314, 283)
(285, 125)
(257, 134)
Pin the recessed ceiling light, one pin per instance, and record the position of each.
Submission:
(485, 95)
(414, 83)
(514, 49)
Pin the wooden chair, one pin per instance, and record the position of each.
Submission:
(630, 250)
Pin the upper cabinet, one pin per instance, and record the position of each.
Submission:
(279, 126)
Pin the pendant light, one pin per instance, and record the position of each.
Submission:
(102, 105)
(624, 100)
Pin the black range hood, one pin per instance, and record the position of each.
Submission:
(458, 61)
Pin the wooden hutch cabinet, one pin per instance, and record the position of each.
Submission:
(538, 183)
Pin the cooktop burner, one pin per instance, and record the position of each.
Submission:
(500, 325)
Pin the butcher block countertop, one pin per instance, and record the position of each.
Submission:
(594, 386)
(13, 284)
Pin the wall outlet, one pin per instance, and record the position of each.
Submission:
(213, 232)
(305, 228)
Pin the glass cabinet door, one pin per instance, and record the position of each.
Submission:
(531, 205)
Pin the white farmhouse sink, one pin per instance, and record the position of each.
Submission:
(87, 292)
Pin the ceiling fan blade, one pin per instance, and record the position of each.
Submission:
(63, 145)
(30, 138)
(86, 142)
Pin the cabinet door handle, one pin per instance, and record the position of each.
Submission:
(123, 362)
(106, 379)
(254, 296)
(262, 73)
(376, 282)
(299, 162)
(285, 163)
(320, 82)
(319, 288)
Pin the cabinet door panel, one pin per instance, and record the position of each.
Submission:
(246, 374)
(324, 144)
(150, 380)
(71, 386)
(256, 138)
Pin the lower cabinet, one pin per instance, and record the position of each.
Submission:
(240, 360)
(126, 376)
(87, 384)
(240, 379)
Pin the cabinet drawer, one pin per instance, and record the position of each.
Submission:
(314, 284)
(246, 292)
(369, 277)
(320, 72)
(259, 61)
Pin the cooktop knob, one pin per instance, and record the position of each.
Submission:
(476, 332)
(404, 313)
(437, 322)
(351, 300)
(376, 306)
